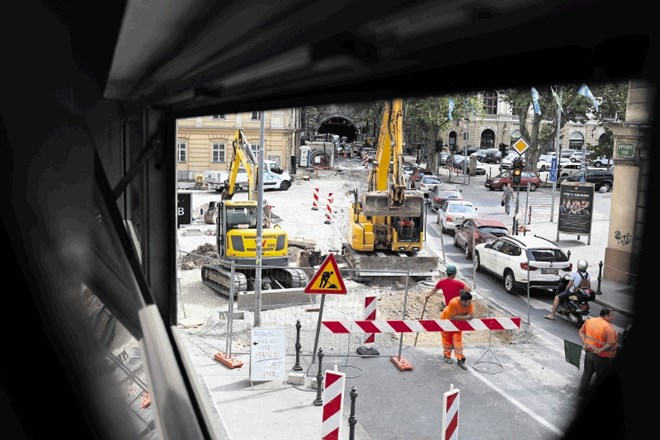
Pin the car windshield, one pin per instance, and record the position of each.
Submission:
(548, 254)
(494, 230)
(431, 180)
(464, 209)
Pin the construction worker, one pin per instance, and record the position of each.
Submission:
(458, 309)
(450, 286)
(599, 339)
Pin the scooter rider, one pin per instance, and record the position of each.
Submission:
(580, 279)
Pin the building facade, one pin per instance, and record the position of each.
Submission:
(204, 143)
(499, 126)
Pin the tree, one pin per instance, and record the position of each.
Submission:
(540, 130)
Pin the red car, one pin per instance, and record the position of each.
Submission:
(498, 182)
(477, 230)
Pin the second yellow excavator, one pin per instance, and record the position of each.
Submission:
(386, 227)
(236, 236)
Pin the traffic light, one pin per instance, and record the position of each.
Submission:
(504, 149)
(517, 170)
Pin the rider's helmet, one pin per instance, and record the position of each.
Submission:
(451, 269)
(582, 265)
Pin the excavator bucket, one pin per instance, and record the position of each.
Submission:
(378, 203)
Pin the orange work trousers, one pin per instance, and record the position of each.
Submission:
(452, 341)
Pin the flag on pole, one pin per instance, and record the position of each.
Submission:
(451, 109)
(557, 98)
(584, 91)
(535, 100)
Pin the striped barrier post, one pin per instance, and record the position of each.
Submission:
(370, 308)
(450, 404)
(315, 203)
(328, 210)
(333, 402)
(422, 325)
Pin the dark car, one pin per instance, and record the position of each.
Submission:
(600, 178)
(477, 230)
(492, 155)
(496, 183)
(443, 192)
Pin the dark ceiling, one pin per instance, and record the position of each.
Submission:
(194, 56)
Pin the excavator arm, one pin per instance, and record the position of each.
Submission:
(242, 154)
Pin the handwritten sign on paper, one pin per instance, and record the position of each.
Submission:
(267, 354)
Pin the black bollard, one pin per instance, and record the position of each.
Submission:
(297, 366)
(351, 419)
(600, 277)
(319, 381)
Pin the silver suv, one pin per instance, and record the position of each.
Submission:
(517, 259)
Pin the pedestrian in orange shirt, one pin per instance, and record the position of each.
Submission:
(458, 309)
(600, 343)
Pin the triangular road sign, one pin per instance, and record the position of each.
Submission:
(327, 279)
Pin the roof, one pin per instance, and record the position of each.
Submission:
(483, 221)
(532, 241)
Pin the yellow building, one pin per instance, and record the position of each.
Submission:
(205, 143)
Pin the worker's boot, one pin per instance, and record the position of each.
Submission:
(461, 363)
(448, 359)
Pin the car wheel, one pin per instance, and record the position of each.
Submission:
(477, 263)
(285, 185)
(467, 252)
(598, 164)
(455, 242)
(509, 282)
(607, 186)
(532, 187)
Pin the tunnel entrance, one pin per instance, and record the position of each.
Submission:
(339, 125)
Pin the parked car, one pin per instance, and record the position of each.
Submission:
(492, 155)
(512, 258)
(428, 183)
(443, 157)
(577, 156)
(477, 230)
(545, 162)
(455, 212)
(507, 161)
(602, 161)
(442, 193)
(599, 177)
(416, 176)
(480, 169)
(496, 183)
(456, 161)
(569, 169)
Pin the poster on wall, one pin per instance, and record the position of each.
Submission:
(576, 203)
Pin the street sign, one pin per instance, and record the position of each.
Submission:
(520, 145)
(553, 169)
(327, 279)
(183, 209)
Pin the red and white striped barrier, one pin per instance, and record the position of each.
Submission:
(422, 325)
(333, 403)
(328, 210)
(370, 307)
(315, 203)
(450, 404)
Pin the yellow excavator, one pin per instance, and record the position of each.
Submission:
(386, 226)
(236, 236)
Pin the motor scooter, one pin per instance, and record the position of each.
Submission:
(575, 307)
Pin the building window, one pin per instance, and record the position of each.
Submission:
(222, 116)
(490, 103)
(181, 152)
(256, 116)
(576, 141)
(255, 150)
(487, 139)
(218, 152)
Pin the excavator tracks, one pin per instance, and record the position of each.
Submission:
(218, 278)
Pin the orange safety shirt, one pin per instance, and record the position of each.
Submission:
(599, 332)
(454, 308)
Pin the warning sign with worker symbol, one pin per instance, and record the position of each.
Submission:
(327, 279)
